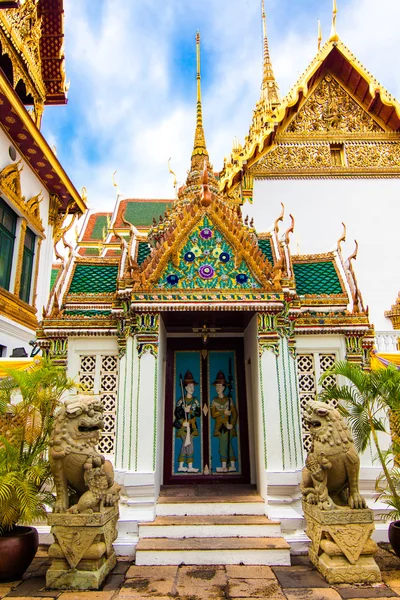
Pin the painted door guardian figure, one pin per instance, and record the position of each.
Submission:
(224, 412)
(186, 412)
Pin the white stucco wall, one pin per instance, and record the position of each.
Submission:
(31, 186)
(370, 209)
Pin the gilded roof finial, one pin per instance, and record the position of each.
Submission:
(269, 88)
(280, 218)
(342, 239)
(319, 35)
(334, 35)
(199, 148)
(289, 231)
(115, 184)
(172, 173)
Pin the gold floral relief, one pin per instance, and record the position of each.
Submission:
(373, 154)
(295, 156)
(331, 109)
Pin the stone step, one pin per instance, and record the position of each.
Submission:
(211, 505)
(213, 551)
(196, 526)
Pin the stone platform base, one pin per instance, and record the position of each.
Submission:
(61, 577)
(336, 569)
(341, 545)
(82, 554)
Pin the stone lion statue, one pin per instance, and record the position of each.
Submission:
(330, 477)
(75, 462)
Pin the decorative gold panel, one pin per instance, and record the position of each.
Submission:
(15, 309)
(295, 156)
(373, 154)
(331, 109)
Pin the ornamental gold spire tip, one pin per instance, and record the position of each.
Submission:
(269, 88)
(199, 147)
(334, 35)
(319, 35)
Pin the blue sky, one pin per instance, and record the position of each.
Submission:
(131, 64)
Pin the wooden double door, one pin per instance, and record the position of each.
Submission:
(206, 429)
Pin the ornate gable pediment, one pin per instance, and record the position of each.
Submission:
(330, 108)
(207, 261)
(205, 248)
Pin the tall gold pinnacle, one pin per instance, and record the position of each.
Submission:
(334, 35)
(319, 35)
(269, 88)
(199, 148)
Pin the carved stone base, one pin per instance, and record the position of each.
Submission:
(82, 554)
(341, 545)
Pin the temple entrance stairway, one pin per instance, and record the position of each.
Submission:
(211, 525)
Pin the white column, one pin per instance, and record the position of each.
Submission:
(124, 407)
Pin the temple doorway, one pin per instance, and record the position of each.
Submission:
(206, 426)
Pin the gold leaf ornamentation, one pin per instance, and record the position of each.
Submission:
(331, 109)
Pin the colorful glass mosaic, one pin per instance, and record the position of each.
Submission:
(207, 261)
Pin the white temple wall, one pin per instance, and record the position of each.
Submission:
(30, 186)
(254, 407)
(162, 361)
(371, 211)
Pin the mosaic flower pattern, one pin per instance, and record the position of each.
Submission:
(207, 261)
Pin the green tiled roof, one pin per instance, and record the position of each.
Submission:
(91, 252)
(141, 213)
(94, 279)
(97, 231)
(265, 247)
(87, 313)
(53, 276)
(143, 252)
(316, 278)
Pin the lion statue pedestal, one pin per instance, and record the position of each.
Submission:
(341, 546)
(339, 523)
(84, 522)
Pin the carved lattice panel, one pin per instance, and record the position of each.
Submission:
(108, 394)
(88, 364)
(310, 367)
(307, 390)
(99, 375)
(326, 361)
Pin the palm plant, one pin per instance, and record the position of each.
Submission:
(366, 401)
(28, 400)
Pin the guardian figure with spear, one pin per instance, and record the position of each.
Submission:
(224, 412)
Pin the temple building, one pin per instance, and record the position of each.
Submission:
(36, 194)
(204, 336)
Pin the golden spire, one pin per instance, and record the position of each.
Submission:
(319, 35)
(269, 88)
(334, 35)
(199, 148)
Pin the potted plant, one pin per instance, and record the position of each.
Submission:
(368, 401)
(28, 400)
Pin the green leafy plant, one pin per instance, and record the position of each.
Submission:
(28, 400)
(367, 401)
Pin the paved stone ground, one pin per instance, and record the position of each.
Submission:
(128, 582)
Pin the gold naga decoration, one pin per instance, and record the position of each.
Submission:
(394, 315)
(20, 34)
(10, 185)
(358, 305)
(60, 229)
